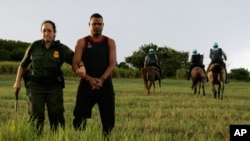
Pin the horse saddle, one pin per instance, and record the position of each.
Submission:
(155, 68)
(216, 67)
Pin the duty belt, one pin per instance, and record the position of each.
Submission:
(44, 80)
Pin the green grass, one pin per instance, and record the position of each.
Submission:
(172, 114)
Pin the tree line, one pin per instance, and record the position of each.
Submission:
(11, 50)
(174, 63)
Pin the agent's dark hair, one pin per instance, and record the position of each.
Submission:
(96, 15)
(50, 22)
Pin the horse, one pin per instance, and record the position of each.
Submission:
(216, 74)
(198, 77)
(150, 74)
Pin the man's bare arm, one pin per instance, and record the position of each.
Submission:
(112, 58)
(77, 58)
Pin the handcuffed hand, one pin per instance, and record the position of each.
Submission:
(81, 71)
(96, 83)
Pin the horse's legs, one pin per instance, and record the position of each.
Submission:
(219, 91)
(145, 85)
(195, 90)
(149, 86)
(160, 84)
(215, 93)
(199, 83)
(154, 86)
(145, 79)
(194, 87)
(203, 88)
(213, 90)
(221, 85)
(222, 90)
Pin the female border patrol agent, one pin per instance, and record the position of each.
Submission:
(44, 83)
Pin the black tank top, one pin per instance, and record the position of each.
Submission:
(96, 56)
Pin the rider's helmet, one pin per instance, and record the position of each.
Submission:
(215, 45)
(194, 51)
(151, 50)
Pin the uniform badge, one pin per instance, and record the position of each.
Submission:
(56, 54)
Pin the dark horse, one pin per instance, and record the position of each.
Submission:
(216, 74)
(198, 77)
(150, 74)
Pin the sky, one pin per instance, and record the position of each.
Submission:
(183, 25)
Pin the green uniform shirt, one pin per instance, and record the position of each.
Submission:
(46, 62)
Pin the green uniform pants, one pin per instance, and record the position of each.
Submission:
(40, 95)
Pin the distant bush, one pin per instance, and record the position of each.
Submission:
(181, 73)
(11, 50)
(240, 74)
(126, 73)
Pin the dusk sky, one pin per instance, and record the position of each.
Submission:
(183, 25)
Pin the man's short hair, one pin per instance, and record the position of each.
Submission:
(96, 15)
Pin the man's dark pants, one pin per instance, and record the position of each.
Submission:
(87, 98)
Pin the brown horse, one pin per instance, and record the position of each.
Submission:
(217, 75)
(198, 77)
(150, 74)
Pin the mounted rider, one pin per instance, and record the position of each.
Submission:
(196, 60)
(217, 55)
(152, 60)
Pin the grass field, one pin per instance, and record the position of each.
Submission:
(174, 114)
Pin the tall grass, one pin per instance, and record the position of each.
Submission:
(172, 114)
(10, 67)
